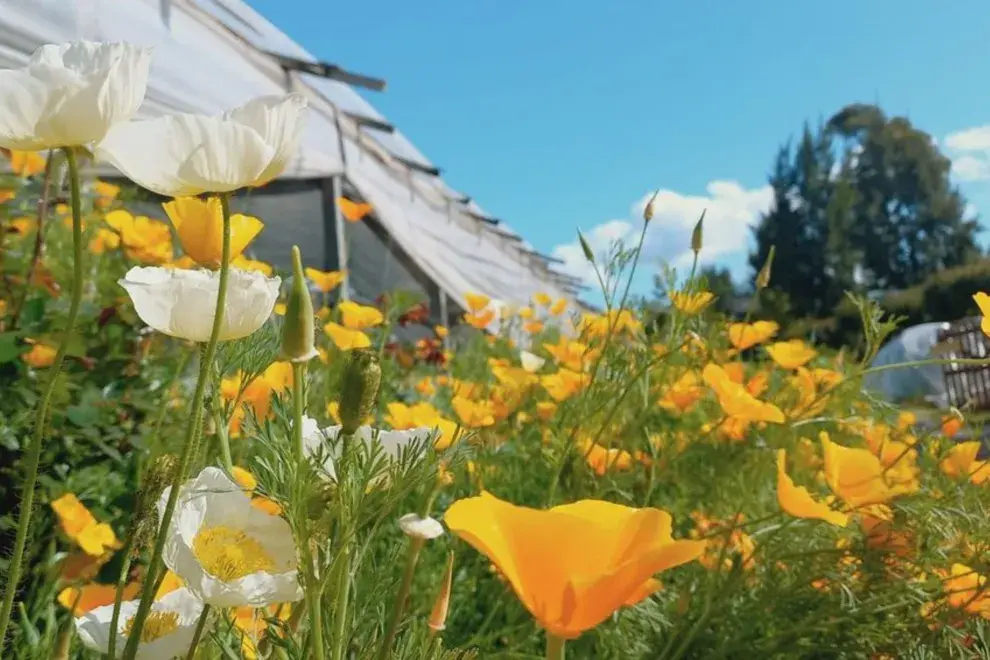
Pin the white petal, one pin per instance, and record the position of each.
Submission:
(21, 104)
(212, 499)
(70, 95)
(315, 444)
(279, 120)
(185, 154)
(94, 626)
(182, 303)
(394, 442)
(531, 363)
(420, 528)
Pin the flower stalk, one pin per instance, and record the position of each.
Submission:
(188, 445)
(198, 635)
(555, 647)
(33, 453)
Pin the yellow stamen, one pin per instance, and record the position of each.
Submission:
(156, 626)
(230, 554)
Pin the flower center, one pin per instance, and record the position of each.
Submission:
(156, 626)
(229, 554)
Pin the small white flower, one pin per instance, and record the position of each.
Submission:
(531, 363)
(185, 154)
(420, 528)
(182, 303)
(168, 631)
(391, 443)
(228, 552)
(70, 95)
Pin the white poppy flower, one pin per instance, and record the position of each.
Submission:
(420, 528)
(182, 303)
(391, 443)
(531, 363)
(185, 154)
(70, 95)
(168, 631)
(228, 552)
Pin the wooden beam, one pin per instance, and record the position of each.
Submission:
(419, 167)
(369, 122)
(335, 232)
(327, 70)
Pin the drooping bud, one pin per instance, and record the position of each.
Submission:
(358, 389)
(438, 615)
(588, 253)
(696, 235)
(648, 209)
(424, 529)
(299, 328)
(763, 277)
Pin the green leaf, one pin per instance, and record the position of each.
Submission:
(9, 348)
(82, 415)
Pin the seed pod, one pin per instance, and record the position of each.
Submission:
(358, 389)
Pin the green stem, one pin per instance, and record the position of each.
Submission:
(188, 445)
(33, 454)
(223, 437)
(125, 569)
(197, 636)
(340, 605)
(415, 546)
(312, 582)
(555, 647)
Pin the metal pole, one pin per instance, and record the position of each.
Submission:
(340, 229)
(444, 318)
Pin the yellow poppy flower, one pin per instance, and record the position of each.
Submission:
(40, 355)
(983, 302)
(480, 320)
(199, 224)
(857, 476)
(476, 302)
(346, 339)
(473, 414)
(542, 299)
(691, 304)
(736, 400)
(747, 335)
(243, 263)
(791, 354)
(325, 281)
(359, 317)
(798, 502)
(94, 538)
(103, 240)
(27, 163)
(564, 384)
(571, 566)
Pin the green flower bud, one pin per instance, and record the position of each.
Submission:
(763, 277)
(696, 235)
(298, 329)
(588, 254)
(359, 389)
(648, 210)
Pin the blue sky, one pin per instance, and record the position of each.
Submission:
(556, 115)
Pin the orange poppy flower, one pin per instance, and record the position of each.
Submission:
(572, 565)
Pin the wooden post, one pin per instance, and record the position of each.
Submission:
(335, 233)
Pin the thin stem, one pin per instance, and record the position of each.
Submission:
(39, 239)
(188, 445)
(198, 635)
(223, 437)
(415, 546)
(125, 569)
(33, 454)
(313, 591)
(555, 647)
(340, 605)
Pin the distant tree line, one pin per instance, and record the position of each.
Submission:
(861, 203)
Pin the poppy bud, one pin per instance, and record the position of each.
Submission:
(438, 615)
(648, 209)
(588, 254)
(763, 277)
(358, 389)
(298, 330)
(696, 235)
(423, 529)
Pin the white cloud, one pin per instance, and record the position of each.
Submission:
(730, 211)
(971, 168)
(970, 139)
(969, 150)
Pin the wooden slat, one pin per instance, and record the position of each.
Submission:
(966, 385)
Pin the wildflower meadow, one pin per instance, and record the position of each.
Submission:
(205, 458)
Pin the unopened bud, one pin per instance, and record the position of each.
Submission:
(158, 477)
(358, 389)
(299, 329)
(648, 209)
(588, 254)
(438, 615)
(696, 235)
(763, 277)
(424, 529)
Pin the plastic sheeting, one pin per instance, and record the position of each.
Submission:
(910, 383)
(210, 55)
